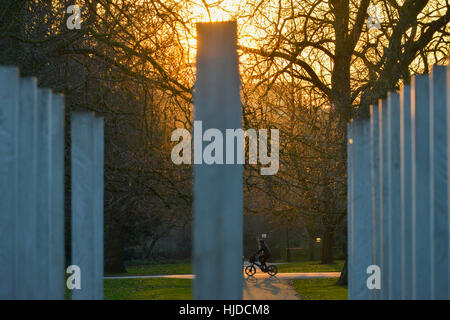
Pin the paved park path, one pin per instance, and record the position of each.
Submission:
(269, 288)
(258, 275)
(258, 287)
(263, 287)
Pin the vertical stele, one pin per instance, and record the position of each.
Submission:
(218, 199)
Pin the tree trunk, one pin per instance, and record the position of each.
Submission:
(288, 250)
(327, 246)
(343, 279)
(312, 241)
(149, 249)
(114, 250)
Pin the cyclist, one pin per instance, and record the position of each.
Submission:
(264, 254)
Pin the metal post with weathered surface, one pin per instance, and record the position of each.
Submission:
(350, 208)
(376, 189)
(87, 211)
(9, 126)
(362, 209)
(218, 194)
(82, 180)
(410, 152)
(384, 199)
(26, 228)
(31, 189)
(439, 189)
(420, 193)
(57, 258)
(394, 178)
(44, 195)
(98, 207)
(405, 187)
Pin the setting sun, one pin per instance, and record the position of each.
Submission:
(215, 11)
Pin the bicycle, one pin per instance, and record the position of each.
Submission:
(250, 270)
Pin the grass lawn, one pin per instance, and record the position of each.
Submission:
(156, 269)
(181, 289)
(320, 289)
(159, 269)
(148, 289)
(310, 266)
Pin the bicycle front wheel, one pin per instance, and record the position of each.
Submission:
(250, 270)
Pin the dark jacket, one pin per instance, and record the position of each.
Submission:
(264, 249)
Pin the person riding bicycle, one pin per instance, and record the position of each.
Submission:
(264, 254)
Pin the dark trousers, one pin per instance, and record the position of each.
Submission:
(263, 260)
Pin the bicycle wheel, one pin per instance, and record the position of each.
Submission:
(272, 270)
(250, 270)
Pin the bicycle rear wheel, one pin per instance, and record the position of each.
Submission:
(272, 270)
